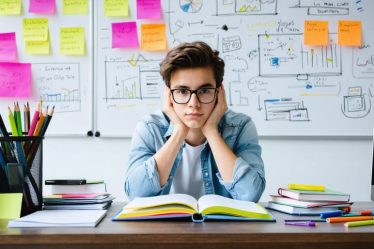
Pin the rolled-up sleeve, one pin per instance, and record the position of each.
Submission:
(142, 178)
(248, 182)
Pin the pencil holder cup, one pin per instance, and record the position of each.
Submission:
(21, 160)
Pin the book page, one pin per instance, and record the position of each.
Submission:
(208, 201)
(154, 201)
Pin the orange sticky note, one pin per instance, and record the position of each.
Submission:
(349, 33)
(153, 37)
(316, 33)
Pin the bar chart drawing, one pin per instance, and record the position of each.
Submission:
(286, 55)
(58, 84)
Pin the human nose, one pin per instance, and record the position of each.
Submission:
(194, 100)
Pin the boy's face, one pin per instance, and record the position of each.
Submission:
(194, 113)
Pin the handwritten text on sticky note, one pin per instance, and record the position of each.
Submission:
(349, 33)
(75, 7)
(124, 35)
(72, 41)
(35, 29)
(116, 7)
(15, 79)
(316, 33)
(8, 47)
(10, 7)
(153, 37)
(42, 6)
(148, 9)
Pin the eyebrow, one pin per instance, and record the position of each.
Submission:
(206, 85)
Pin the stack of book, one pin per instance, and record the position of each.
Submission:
(77, 194)
(309, 202)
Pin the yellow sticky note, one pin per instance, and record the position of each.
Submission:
(75, 7)
(72, 41)
(153, 37)
(349, 33)
(10, 205)
(35, 29)
(316, 33)
(116, 7)
(10, 7)
(37, 47)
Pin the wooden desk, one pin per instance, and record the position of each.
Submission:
(182, 234)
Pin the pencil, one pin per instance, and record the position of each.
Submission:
(28, 116)
(40, 122)
(12, 123)
(359, 223)
(19, 120)
(35, 119)
(47, 121)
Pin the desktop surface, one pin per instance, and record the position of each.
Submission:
(186, 234)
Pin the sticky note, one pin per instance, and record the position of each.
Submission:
(153, 37)
(8, 47)
(116, 8)
(349, 33)
(10, 7)
(75, 7)
(15, 79)
(37, 47)
(124, 35)
(148, 9)
(42, 6)
(35, 29)
(316, 33)
(10, 205)
(72, 41)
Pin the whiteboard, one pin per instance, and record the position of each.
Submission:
(289, 89)
(60, 80)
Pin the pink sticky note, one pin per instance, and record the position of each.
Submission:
(124, 35)
(148, 9)
(42, 6)
(15, 79)
(8, 47)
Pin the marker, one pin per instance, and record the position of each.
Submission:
(359, 223)
(314, 220)
(347, 219)
(307, 187)
(367, 212)
(331, 214)
(301, 223)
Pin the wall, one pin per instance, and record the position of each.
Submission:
(339, 163)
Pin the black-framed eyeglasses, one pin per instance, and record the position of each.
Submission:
(205, 95)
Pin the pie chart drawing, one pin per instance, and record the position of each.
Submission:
(190, 6)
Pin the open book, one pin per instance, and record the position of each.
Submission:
(181, 205)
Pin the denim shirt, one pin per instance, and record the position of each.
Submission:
(239, 133)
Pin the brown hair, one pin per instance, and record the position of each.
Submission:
(192, 55)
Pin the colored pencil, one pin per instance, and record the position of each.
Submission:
(346, 219)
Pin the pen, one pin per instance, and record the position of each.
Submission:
(314, 220)
(301, 223)
(306, 187)
(359, 223)
(346, 219)
(331, 214)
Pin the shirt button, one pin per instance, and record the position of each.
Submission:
(206, 174)
(207, 184)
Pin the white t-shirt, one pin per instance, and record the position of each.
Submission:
(188, 178)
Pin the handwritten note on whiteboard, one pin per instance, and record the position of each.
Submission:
(42, 6)
(116, 8)
(35, 29)
(153, 37)
(10, 7)
(349, 33)
(124, 35)
(72, 41)
(15, 79)
(148, 9)
(75, 7)
(316, 33)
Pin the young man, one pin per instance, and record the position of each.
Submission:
(195, 145)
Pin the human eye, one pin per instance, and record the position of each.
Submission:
(205, 91)
(181, 91)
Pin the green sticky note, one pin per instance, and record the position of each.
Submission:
(10, 205)
(116, 8)
(75, 7)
